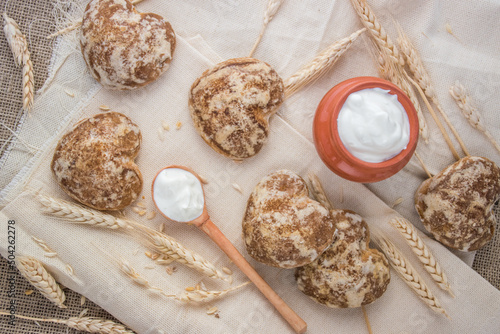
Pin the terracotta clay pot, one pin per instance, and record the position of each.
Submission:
(330, 147)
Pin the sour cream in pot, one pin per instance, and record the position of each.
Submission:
(373, 125)
(178, 194)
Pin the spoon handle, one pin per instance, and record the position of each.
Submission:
(220, 239)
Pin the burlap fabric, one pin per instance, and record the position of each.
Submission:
(487, 261)
(36, 20)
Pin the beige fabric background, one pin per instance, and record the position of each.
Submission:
(228, 29)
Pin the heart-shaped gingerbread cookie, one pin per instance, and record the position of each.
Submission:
(125, 49)
(282, 226)
(456, 204)
(94, 162)
(348, 273)
(231, 104)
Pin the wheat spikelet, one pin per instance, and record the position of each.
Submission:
(318, 191)
(422, 78)
(396, 74)
(19, 46)
(202, 295)
(378, 32)
(319, 65)
(171, 248)
(417, 245)
(79, 214)
(470, 112)
(409, 275)
(34, 271)
(271, 10)
(90, 325)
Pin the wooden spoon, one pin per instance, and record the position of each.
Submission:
(206, 225)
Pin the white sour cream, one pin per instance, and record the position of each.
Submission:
(178, 194)
(373, 125)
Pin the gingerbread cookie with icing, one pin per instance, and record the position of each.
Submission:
(125, 49)
(94, 162)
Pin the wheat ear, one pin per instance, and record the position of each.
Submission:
(34, 271)
(161, 242)
(19, 46)
(79, 214)
(197, 295)
(271, 10)
(396, 74)
(86, 324)
(128, 270)
(318, 191)
(423, 79)
(319, 65)
(417, 245)
(202, 295)
(378, 32)
(470, 112)
(409, 275)
(171, 248)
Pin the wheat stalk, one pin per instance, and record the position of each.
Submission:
(19, 46)
(171, 248)
(470, 111)
(409, 275)
(378, 32)
(318, 191)
(86, 324)
(417, 245)
(79, 214)
(424, 167)
(423, 79)
(271, 10)
(396, 74)
(34, 271)
(74, 25)
(434, 116)
(319, 65)
(201, 295)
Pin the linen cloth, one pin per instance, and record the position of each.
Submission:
(227, 29)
